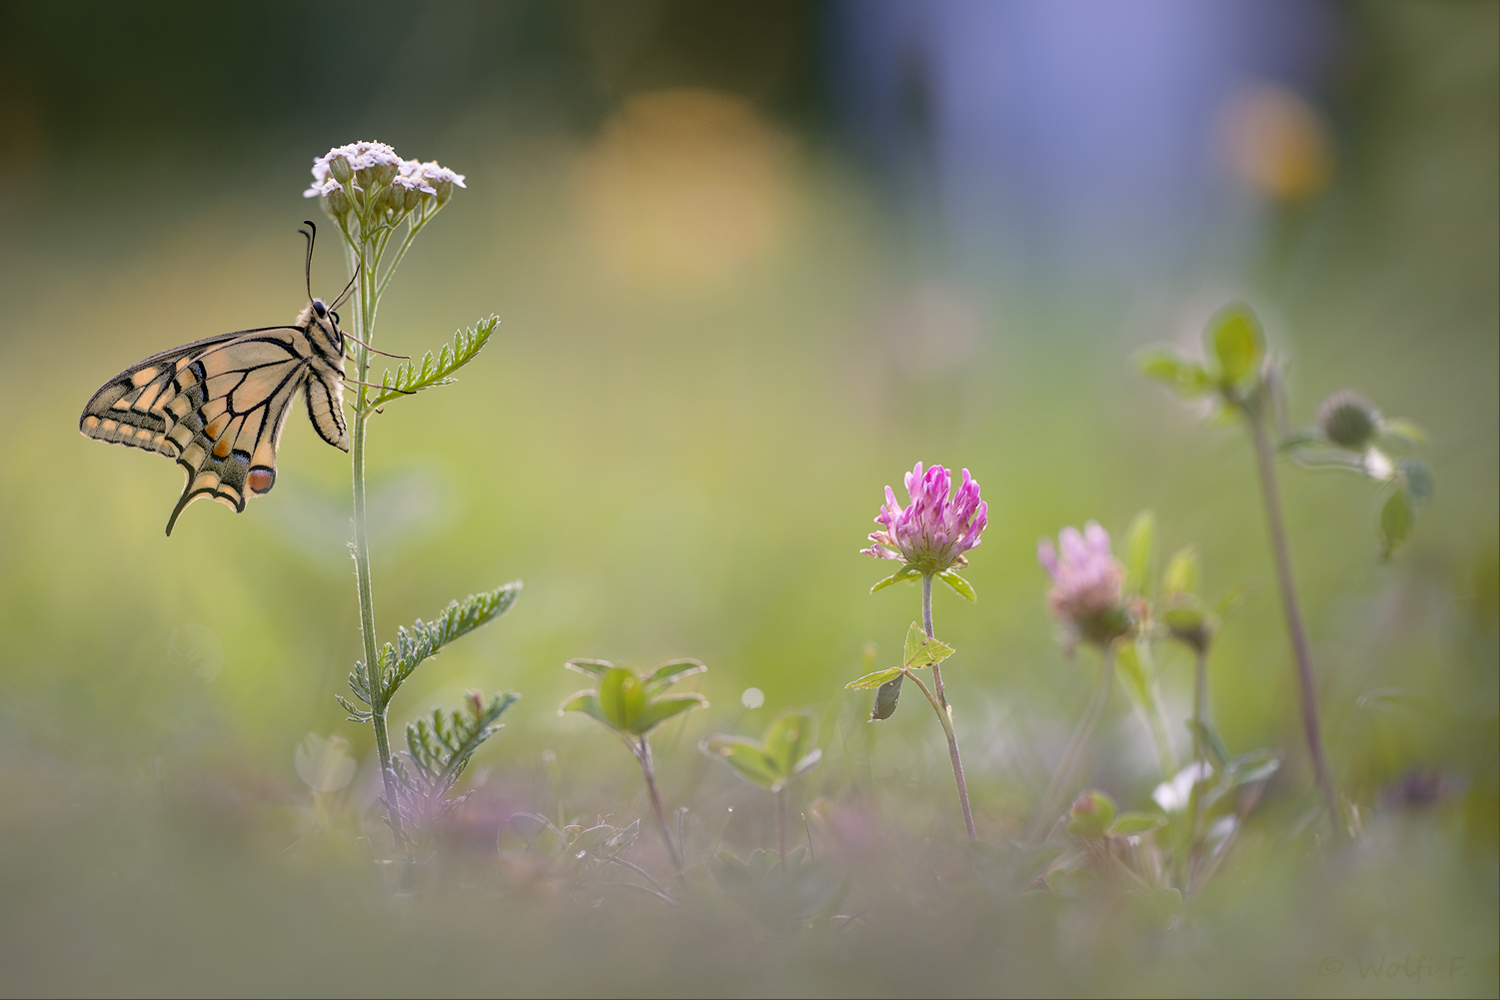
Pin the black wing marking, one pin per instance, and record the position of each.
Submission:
(217, 406)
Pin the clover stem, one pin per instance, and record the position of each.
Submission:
(379, 698)
(945, 714)
(1265, 460)
(781, 825)
(1069, 761)
(1195, 803)
(1200, 696)
(643, 752)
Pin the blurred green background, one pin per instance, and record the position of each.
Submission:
(752, 261)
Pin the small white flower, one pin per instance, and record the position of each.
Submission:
(322, 188)
(1378, 466)
(435, 173)
(357, 155)
(413, 178)
(363, 155)
(1174, 795)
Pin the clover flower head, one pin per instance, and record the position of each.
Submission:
(933, 532)
(1088, 583)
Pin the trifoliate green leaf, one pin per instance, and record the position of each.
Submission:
(1140, 552)
(921, 651)
(1236, 342)
(1396, 521)
(664, 707)
(1182, 575)
(961, 587)
(1133, 824)
(873, 679)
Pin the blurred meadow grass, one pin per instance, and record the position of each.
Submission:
(715, 351)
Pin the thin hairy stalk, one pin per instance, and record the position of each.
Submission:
(643, 752)
(364, 320)
(945, 714)
(1069, 762)
(781, 825)
(1189, 859)
(1200, 703)
(1266, 461)
(412, 229)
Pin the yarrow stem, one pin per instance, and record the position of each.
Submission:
(363, 583)
(369, 191)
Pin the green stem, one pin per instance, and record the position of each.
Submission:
(1200, 707)
(1266, 461)
(1069, 762)
(945, 714)
(379, 697)
(411, 233)
(781, 825)
(1195, 803)
(643, 752)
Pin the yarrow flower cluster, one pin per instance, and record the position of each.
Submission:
(1088, 583)
(370, 180)
(932, 534)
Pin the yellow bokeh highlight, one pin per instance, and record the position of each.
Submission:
(1277, 143)
(682, 189)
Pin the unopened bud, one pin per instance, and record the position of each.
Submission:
(1348, 420)
(339, 167)
(1090, 815)
(336, 202)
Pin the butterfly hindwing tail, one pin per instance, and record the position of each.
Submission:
(216, 406)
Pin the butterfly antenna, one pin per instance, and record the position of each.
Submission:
(347, 288)
(312, 237)
(375, 350)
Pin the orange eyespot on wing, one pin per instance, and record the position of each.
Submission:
(216, 406)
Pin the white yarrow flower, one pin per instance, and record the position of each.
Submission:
(322, 188)
(413, 178)
(438, 174)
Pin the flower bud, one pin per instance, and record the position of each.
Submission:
(1090, 815)
(1188, 621)
(339, 167)
(1348, 420)
(336, 202)
(379, 173)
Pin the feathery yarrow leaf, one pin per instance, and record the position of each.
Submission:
(438, 750)
(433, 371)
(423, 640)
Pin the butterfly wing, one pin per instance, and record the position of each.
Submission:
(217, 406)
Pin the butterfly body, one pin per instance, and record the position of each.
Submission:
(218, 405)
